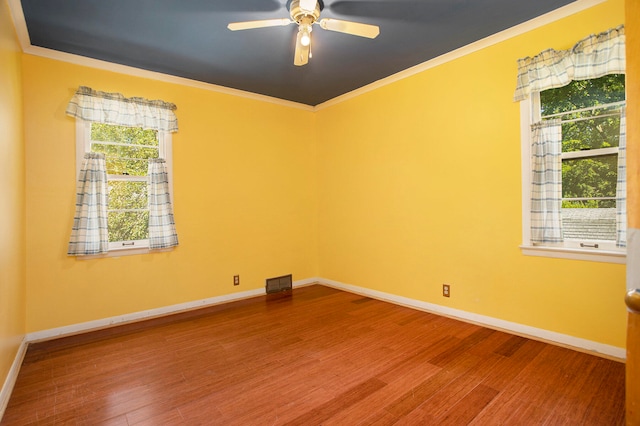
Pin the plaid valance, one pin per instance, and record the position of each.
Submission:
(592, 57)
(113, 108)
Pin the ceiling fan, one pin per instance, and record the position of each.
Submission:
(305, 13)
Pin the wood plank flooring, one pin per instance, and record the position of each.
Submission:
(319, 357)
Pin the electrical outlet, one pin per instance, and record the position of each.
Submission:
(236, 280)
(446, 290)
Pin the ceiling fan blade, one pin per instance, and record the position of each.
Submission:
(249, 25)
(348, 27)
(308, 5)
(301, 55)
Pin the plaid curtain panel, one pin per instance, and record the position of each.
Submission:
(113, 108)
(89, 234)
(162, 228)
(621, 185)
(546, 182)
(592, 57)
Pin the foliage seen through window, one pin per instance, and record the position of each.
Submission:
(127, 151)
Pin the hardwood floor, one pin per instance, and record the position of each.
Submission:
(321, 356)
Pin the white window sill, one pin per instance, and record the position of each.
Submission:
(575, 254)
(115, 253)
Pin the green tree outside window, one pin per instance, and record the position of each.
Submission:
(127, 151)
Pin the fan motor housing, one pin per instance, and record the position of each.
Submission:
(297, 13)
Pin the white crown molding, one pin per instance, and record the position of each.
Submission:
(152, 75)
(23, 36)
(547, 18)
(12, 376)
(19, 23)
(582, 345)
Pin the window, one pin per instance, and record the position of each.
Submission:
(573, 149)
(121, 206)
(590, 114)
(127, 151)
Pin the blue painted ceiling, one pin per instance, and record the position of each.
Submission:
(190, 39)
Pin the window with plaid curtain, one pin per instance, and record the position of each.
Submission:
(593, 57)
(89, 234)
(90, 230)
(162, 228)
(546, 182)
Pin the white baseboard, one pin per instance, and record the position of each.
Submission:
(10, 381)
(38, 336)
(84, 327)
(512, 327)
(306, 282)
(583, 345)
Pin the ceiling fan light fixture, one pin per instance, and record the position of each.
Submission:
(305, 38)
(305, 13)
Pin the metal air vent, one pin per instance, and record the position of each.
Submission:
(278, 284)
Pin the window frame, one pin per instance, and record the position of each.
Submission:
(569, 249)
(165, 151)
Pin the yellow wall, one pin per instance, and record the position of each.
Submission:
(398, 190)
(244, 188)
(12, 244)
(420, 185)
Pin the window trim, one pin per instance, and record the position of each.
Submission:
(83, 145)
(530, 113)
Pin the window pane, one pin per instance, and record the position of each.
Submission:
(127, 195)
(127, 151)
(588, 183)
(589, 178)
(603, 132)
(122, 134)
(126, 160)
(583, 94)
(127, 226)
